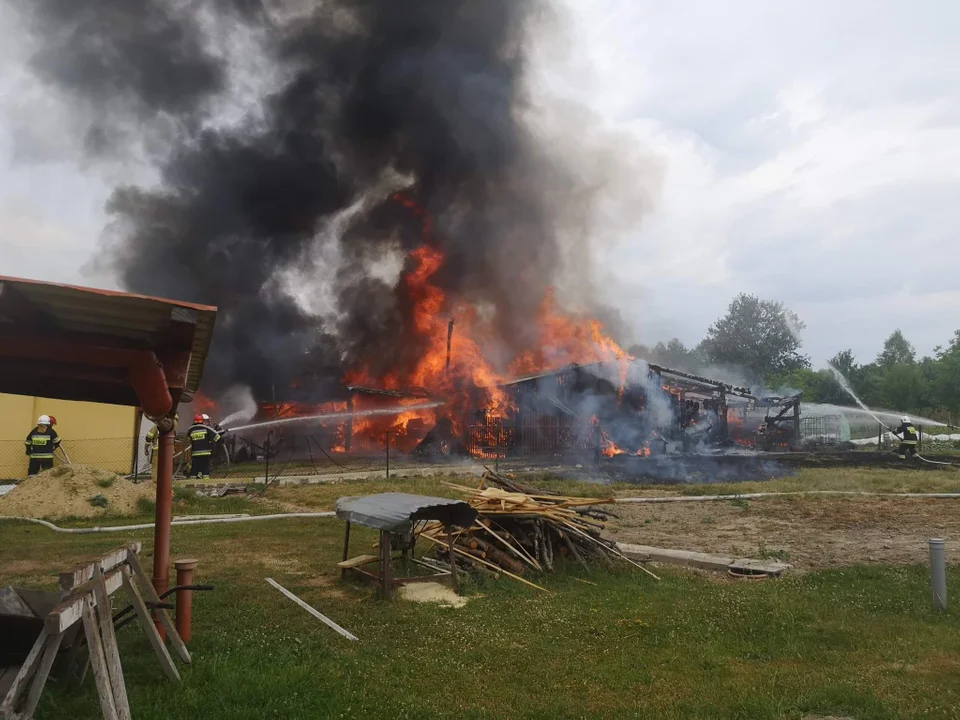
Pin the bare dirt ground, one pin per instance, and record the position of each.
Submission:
(807, 532)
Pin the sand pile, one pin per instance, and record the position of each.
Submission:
(67, 491)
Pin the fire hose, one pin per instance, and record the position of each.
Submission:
(205, 520)
(175, 523)
(936, 462)
(126, 615)
(66, 457)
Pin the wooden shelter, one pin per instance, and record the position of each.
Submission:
(76, 343)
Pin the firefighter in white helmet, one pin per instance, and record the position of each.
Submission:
(41, 443)
(908, 438)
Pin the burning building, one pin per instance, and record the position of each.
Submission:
(576, 413)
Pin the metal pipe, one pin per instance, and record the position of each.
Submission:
(164, 516)
(938, 573)
(185, 570)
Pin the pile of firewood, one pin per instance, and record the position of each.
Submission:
(520, 530)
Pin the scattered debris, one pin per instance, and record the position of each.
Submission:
(521, 529)
(316, 613)
(99, 500)
(222, 490)
(431, 592)
(735, 567)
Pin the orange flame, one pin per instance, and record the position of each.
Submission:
(470, 381)
(203, 404)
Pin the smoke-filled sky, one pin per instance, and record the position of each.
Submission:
(807, 152)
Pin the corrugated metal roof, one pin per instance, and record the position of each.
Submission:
(137, 318)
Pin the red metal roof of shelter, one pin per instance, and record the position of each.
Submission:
(78, 343)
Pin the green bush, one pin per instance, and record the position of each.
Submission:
(99, 501)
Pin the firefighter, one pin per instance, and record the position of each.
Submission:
(210, 423)
(41, 443)
(151, 443)
(908, 438)
(203, 441)
(222, 432)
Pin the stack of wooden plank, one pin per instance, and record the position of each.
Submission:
(522, 530)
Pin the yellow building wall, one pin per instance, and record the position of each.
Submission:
(92, 433)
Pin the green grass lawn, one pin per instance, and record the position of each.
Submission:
(861, 642)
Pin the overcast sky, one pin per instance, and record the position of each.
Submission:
(809, 151)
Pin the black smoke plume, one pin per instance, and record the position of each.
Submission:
(427, 91)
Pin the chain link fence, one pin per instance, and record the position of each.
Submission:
(300, 456)
(115, 454)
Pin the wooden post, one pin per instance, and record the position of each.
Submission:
(110, 651)
(454, 578)
(51, 647)
(386, 555)
(446, 371)
(346, 548)
(796, 424)
(98, 663)
(153, 635)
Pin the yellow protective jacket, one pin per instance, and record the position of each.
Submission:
(42, 442)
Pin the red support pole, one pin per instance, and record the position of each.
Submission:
(161, 529)
(185, 570)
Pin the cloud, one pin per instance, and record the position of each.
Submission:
(810, 153)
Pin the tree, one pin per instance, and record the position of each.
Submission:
(845, 362)
(813, 384)
(947, 375)
(673, 354)
(896, 351)
(639, 351)
(903, 387)
(759, 335)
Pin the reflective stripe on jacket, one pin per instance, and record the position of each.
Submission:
(153, 434)
(202, 440)
(41, 444)
(909, 434)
